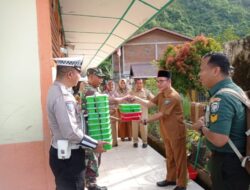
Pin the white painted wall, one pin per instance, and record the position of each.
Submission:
(20, 96)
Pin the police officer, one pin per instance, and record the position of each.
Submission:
(226, 119)
(66, 156)
(172, 130)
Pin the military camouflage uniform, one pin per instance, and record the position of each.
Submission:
(92, 159)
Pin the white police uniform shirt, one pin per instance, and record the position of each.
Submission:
(65, 119)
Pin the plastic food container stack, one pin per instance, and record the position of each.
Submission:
(99, 119)
(130, 112)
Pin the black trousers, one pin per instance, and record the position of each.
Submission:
(69, 173)
(227, 173)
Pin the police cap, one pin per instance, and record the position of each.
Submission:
(75, 62)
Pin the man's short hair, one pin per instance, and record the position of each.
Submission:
(138, 79)
(62, 70)
(219, 60)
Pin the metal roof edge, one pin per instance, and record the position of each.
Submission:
(162, 29)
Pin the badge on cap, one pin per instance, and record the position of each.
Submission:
(166, 102)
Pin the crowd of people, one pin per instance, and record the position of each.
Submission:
(81, 159)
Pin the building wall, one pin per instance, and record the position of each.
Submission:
(20, 110)
(146, 48)
(23, 162)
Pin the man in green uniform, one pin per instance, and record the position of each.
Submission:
(95, 78)
(226, 119)
(93, 160)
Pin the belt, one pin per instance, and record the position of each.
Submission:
(72, 147)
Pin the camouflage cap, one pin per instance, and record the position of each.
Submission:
(95, 71)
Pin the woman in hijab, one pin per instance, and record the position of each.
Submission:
(124, 128)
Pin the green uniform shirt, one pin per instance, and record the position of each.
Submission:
(227, 116)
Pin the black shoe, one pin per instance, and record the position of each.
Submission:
(144, 145)
(179, 188)
(97, 187)
(165, 183)
(135, 145)
(129, 139)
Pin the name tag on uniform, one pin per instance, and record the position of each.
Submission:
(70, 106)
(166, 102)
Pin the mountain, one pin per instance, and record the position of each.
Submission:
(222, 19)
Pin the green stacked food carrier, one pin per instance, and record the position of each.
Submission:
(99, 119)
(130, 112)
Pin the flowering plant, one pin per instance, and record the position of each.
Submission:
(184, 62)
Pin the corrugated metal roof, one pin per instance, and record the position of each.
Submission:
(96, 28)
(145, 70)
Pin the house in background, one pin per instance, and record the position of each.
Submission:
(134, 57)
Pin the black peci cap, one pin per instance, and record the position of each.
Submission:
(164, 73)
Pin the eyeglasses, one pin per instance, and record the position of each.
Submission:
(160, 81)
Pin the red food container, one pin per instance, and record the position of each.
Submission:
(130, 116)
(192, 172)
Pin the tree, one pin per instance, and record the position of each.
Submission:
(106, 67)
(184, 62)
(227, 35)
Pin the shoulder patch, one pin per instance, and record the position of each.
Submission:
(70, 106)
(214, 107)
(215, 99)
(64, 90)
(213, 118)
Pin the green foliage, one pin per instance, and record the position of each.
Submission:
(151, 85)
(184, 62)
(106, 67)
(192, 136)
(153, 128)
(186, 104)
(211, 18)
(227, 35)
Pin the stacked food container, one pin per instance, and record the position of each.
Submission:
(130, 112)
(99, 119)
